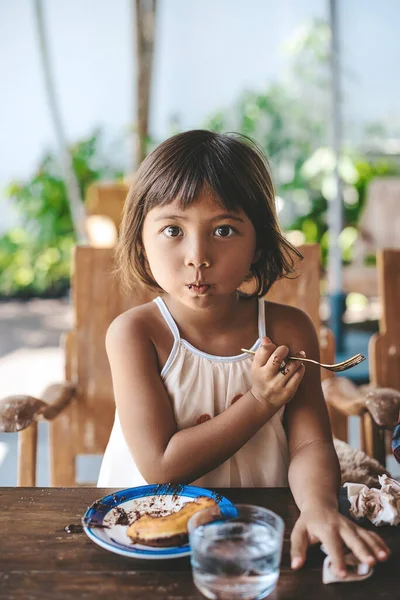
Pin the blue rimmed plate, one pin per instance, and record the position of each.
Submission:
(106, 520)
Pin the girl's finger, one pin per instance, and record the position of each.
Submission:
(290, 369)
(334, 547)
(292, 383)
(298, 545)
(274, 363)
(358, 546)
(313, 539)
(375, 543)
(264, 352)
(292, 366)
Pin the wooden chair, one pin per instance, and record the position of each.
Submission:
(81, 410)
(378, 404)
(384, 351)
(103, 206)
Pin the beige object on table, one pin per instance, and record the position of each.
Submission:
(357, 466)
(356, 571)
(380, 506)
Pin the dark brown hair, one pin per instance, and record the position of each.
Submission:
(234, 169)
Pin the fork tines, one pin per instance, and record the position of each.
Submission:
(351, 362)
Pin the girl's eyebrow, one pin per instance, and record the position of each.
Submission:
(217, 218)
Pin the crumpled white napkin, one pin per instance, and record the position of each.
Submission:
(381, 507)
(356, 571)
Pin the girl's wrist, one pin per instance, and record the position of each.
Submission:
(264, 402)
(317, 503)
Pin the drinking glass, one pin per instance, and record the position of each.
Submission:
(236, 557)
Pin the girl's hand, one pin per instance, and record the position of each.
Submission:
(328, 526)
(271, 383)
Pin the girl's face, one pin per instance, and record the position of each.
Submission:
(200, 253)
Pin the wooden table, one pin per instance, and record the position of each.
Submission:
(40, 560)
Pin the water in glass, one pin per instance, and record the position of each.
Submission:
(236, 559)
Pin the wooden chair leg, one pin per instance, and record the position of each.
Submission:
(62, 453)
(372, 438)
(27, 455)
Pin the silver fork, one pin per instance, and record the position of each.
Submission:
(342, 366)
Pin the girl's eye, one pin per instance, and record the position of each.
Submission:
(172, 231)
(224, 231)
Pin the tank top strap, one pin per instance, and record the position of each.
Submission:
(175, 331)
(261, 318)
(168, 318)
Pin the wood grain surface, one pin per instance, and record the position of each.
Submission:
(40, 560)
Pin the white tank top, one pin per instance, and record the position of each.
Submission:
(200, 387)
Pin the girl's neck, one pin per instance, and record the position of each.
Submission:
(219, 317)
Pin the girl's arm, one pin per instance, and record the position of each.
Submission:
(314, 472)
(161, 452)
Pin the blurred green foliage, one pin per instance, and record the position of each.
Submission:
(289, 119)
(356, 173)
(35, 257)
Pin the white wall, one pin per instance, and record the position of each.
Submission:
(90, 41)
(207, 52)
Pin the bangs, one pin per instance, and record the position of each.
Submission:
(190, 171)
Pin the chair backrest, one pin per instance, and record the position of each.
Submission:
(384, 350)
(104, 207)
(384, 346)
(97, 299)
(302, 290)
(106, 198)
(84, 427)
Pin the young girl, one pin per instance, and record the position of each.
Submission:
(200, 220)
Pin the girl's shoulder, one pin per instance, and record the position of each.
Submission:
(288, 325)
(140, 325)
(139, 316)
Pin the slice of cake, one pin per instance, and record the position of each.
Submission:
(170, 530)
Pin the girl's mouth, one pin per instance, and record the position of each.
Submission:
(199, 289)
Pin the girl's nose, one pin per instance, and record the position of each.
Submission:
(198, 264)
(197, 257)
(197, 249)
